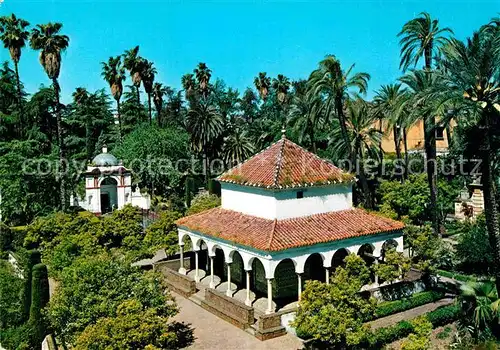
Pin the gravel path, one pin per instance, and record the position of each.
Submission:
(409, 314)
(211, 332)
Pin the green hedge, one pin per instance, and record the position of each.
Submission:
(456, 276)
(418, 299)
(383, 336)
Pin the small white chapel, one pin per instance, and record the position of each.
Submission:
(108, 186)
(286, 217)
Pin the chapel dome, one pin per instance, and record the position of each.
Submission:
(105, 159)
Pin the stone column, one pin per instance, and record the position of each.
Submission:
(196, 274)
(182, 270)
(299, 282)
(327, 275)
(248, 302)
(269, 297)
(228, 291)
(376, 276)
(212, 283)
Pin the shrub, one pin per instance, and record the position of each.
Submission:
(418, 299)
(456, 276)
(202, 202)
(444, 315)
(382, 336)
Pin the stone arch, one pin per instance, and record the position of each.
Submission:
(313, 268)
(258, 281)
(228, 252)
(219, 261)
(338, 258)
(107, 177)
(366, 252)
(203, 259)
(285, 286)
(389, 244)
(237, 268)
(185, 239)
(108, 192)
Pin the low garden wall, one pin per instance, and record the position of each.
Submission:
(177, 282)
(269, 326)
(229, 309)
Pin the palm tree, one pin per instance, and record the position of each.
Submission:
(480, 301)
(205, 124)
(203, 74)
(422, 37)
(281, 85)
(159, 90)
(470, 78)
(148, 72)
(14, 35)
(189, 85)
(389, 105)
(46, 39)
(306, 116)
(262, 84)
(335, 85)
(114, 73)
(237, 147)
(364, 142)
(133, 63)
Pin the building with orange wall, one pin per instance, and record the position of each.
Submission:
(415, 140)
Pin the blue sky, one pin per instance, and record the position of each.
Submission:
(236, 39)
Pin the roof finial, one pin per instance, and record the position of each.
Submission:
(104, 148)
(283, 132)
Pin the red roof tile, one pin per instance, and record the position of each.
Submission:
(276, 235)
(285, 164)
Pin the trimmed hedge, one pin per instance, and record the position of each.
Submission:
(456, 276)
(382, 336)
(418, 299)
(39, 299)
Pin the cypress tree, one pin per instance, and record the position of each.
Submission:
(32, 258)
(39, 299)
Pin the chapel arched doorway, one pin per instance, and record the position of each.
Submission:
(109, 196)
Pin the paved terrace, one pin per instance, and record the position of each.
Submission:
(211, 332)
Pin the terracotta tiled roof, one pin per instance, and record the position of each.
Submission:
(285, 164)
(276, 235)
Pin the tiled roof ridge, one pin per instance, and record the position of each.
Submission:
(271, 237)
(279, 161)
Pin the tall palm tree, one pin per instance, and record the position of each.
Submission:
(159, 90)
(189, 85)
(13, 34)
(471, 78)
(237, 147)
(205, 124)
(364, 142)
(46, 39)
(203, 75)
(389, 105)
(335, 86)
(148, 72)
(133, 63)
(262, 84)
(281, 85)
(114, 73)
(421, 37)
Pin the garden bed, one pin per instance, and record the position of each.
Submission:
(456, 276)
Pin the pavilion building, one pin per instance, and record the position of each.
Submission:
(286, 216)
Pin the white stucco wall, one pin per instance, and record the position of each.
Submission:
(284, 204)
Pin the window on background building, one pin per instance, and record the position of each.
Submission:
(440, 133)
(300, 194)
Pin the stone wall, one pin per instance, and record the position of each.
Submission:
(269, 326)
(228, 308)
(177, 282)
